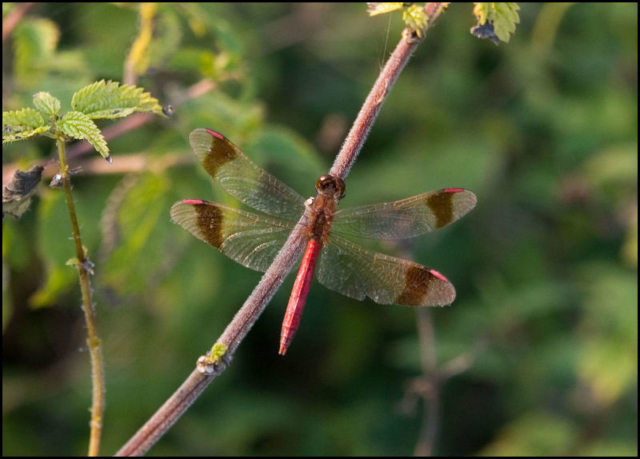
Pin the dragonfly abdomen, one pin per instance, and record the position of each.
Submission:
(299, 294)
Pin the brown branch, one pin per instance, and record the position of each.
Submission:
(373, 103)
(209, 366)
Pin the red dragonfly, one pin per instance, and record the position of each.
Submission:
(254, 240)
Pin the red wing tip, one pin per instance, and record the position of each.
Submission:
(435, 273)
(283, 350)
(215, 134)
(453, 190)
(192, 201)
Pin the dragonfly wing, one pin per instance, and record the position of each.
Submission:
(406, 218)
(249, 239)
(242, 178)
(358, 272)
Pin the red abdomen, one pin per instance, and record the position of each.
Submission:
(299, 294)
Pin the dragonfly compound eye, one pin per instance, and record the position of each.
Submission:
(331, 186)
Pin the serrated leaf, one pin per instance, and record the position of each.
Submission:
(22, 124)
(46, 103)
(35, 41)
(415, 18)
(80, 126)
(25, 118)
(375, 8)
(496, 21)
(111, 100)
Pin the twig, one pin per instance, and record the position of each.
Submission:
(210, 366)
(290, 253)
(373, 103)
(13, 18)
(83, 265)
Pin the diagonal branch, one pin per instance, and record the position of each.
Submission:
(212, 365)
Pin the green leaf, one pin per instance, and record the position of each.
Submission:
(217, 352)
(54, 245)
(112, 100)
(383, 8)
(496, 20)
(46, 103)
(415, 18)
(22, 124)
(79, 126)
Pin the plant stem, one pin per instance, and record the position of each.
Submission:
(93, 341)
(238, 328)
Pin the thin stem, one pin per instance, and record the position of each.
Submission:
(238, 328)
(83, 266)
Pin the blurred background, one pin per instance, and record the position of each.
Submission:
(537, 355)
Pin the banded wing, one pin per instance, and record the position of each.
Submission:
(242, 178)
(249, 239)
(358, 272)
(405, 218)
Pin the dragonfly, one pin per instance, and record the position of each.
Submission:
(343, 266)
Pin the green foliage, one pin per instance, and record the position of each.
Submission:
(35, 42)
(415, 18)
(22, 124)
(217, 352)
(383, 8)
(413, 15)
(106, 100)
(79, 126)
(112, 100)
(501, 17)
(46, 104)
(53, 228)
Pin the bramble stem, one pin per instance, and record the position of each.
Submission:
(93, 342)
(208, 368)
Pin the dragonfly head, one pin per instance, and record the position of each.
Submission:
(331, 187)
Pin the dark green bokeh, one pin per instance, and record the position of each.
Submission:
(543, 130)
